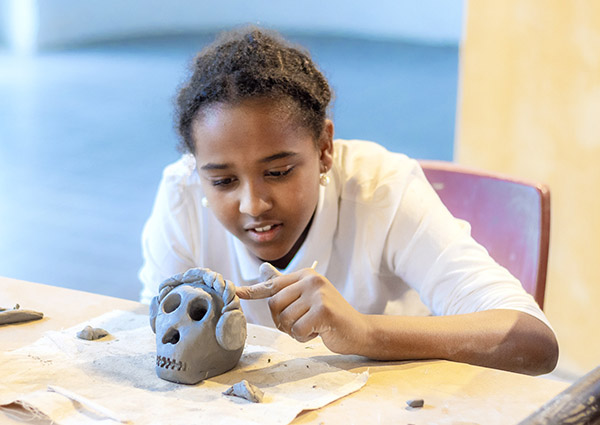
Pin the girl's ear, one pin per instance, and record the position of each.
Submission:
(326, 147)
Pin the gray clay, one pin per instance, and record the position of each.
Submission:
(91, 334)
(418, 402)
(16, 315)
(199, 324)
(246, 390)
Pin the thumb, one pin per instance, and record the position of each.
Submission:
(268, 271)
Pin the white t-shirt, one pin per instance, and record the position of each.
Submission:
(380, 234)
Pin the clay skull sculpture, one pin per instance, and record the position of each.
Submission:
(199, 324)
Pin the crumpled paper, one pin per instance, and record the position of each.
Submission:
(112, 380)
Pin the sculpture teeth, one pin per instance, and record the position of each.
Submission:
(166, 362)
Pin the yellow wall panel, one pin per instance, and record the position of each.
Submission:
(530, 107)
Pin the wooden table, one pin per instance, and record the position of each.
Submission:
(454, 393)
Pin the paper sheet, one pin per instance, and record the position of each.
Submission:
(116, 375)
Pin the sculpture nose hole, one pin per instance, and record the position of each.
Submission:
(171, 303)
(197, 308)
(171, 336)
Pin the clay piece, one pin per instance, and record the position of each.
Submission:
(91, 334)
(416, 403)
(246, 390)
(199, 324)
(16, 315)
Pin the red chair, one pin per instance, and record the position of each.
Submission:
(509, 217)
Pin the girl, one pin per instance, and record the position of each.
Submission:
(264, 181)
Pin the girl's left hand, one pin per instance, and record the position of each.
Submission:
(304, 304)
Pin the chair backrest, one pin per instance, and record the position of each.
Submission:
(509, 217)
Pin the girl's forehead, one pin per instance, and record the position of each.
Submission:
(256, 129)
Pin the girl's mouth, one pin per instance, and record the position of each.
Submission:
(265, 233)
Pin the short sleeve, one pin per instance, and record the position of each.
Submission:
(434, 253)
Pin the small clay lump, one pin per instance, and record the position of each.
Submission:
(246, 390)
(91, 334)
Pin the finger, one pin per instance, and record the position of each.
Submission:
(266, 289)
(287, 307)
(243, 292)
(310, 325)
(285, 298)
(256, 292)
(302, 338)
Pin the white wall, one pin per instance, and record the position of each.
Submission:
(4, 31)
(18, 25)
(67, 22)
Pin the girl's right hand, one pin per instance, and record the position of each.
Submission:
(305, 304)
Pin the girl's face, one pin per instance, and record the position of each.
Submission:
(260, 173)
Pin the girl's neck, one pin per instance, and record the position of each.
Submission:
(284, 261)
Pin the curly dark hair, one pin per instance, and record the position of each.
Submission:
(252, 63)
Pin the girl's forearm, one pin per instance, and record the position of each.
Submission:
(501, 339)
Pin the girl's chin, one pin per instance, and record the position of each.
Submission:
(268, 258)
(275, 258)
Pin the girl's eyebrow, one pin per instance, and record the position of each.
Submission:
(212, 166)
(284, 154)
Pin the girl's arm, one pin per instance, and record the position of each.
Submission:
(502, 339)
(305, 304)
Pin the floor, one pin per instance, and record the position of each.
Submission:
(85, 133)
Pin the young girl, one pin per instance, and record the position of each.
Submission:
(397, 277)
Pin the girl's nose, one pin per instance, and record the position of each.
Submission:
(254, 201)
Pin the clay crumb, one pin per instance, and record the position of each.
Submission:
(91, 334)
(246, 390)
(416, 403)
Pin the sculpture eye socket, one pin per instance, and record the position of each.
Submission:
(197, 308)
(171, 303)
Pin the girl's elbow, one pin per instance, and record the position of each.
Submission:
(550, 358)
(543, 353)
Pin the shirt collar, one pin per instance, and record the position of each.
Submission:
(317, 245)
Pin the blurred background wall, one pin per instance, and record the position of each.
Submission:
(35, 24)
(530, 107)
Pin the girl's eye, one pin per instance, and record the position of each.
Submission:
(222, 183)
(279, 173)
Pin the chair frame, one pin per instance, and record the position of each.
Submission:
(438, 171)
